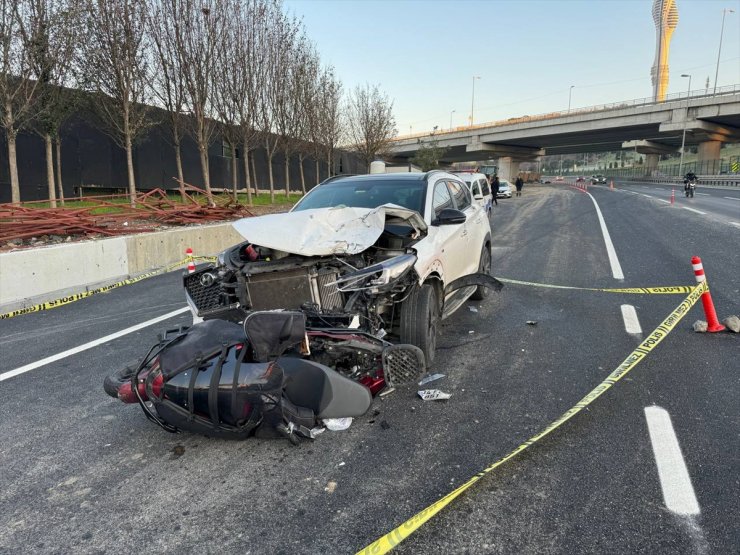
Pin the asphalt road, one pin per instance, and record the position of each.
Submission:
(83, 473)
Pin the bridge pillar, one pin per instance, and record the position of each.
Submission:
(708, 152)
(508, 168)
(651, 163)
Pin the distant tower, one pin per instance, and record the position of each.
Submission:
(665, 16)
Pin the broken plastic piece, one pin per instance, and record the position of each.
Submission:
(431, 378)
(433, 395)
(314, 432)
(531, 322)
(337, 424)
(387, 391)
(472, 309)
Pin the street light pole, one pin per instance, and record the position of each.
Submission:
(686, 117)
(719, 51)
(453, 111)
(472, 103)
(570, 92)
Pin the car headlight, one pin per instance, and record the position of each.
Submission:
(378, 275)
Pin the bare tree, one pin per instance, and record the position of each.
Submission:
(116, 64)
(331, 121)
(289, 108)
(48, 31)
(167, 83)
(371, 122)
(307, 90)
(279, 40)
(197, 25)
(17, 87)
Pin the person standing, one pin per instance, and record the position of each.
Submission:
(495, 186)
(519, 184)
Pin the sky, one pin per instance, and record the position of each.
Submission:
(527, 53)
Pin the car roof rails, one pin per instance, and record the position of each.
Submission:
(431, 172)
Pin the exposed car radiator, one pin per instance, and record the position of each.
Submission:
(291, 289)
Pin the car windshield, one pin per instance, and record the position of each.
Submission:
(364, 193)
(503, 183)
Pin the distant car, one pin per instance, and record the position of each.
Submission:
(580, 179)
(598, 180)
(545, 180)
(479, 188)
(504, 189)
(560, 178)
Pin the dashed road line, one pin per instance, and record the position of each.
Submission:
(735, 224)
(692, 210)
(703, 194)
(678, 493)
(69, 352)
(663, 200)
(732, 198)
(631, 322)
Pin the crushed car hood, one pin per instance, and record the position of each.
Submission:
(325, 231)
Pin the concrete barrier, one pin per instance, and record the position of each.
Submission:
(45, 273)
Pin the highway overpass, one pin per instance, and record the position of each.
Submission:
(651, 128)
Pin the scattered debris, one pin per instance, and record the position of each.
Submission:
(315, 432)
(472, 309)
(384, 425)
(337, 424)
(471, 332)
(433, 395)
(387, 391)
(431, 378)
(177, 452)
(341, 463)
(700, 326)
(330, 487)
(732, 323)
(531, 322)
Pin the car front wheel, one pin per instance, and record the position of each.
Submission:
(484, 267)
(420, 315)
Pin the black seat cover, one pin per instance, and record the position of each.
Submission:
(321, 389)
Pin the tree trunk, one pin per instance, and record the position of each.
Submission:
(234, 172)
(287, 174)
(60, 185)
(318, 175)
(303, 175)
(204, 171)
(130, 165)
(15, 189)
(269, 171)
(254, 176)
(245, 156)
(50, 171)
(180, 174)
(328, 165)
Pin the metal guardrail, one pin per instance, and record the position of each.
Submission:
(647, 101)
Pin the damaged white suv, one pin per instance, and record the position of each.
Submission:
(380, 256)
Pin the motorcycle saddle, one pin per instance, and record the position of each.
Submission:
(323, 390)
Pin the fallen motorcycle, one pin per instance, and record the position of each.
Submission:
(261, 378)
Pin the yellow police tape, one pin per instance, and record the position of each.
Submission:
(77, 296)
(669, 290)
(399, 534)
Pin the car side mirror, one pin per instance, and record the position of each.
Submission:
(450, 216)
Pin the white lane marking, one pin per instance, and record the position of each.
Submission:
(731, 198)
(69, 352)
(735, 223)
(613, 260)
(692, 210)
(703, 194)
(631, 323)
(663, 200)
(675, 481)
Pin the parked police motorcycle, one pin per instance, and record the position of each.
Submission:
(232, 381)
